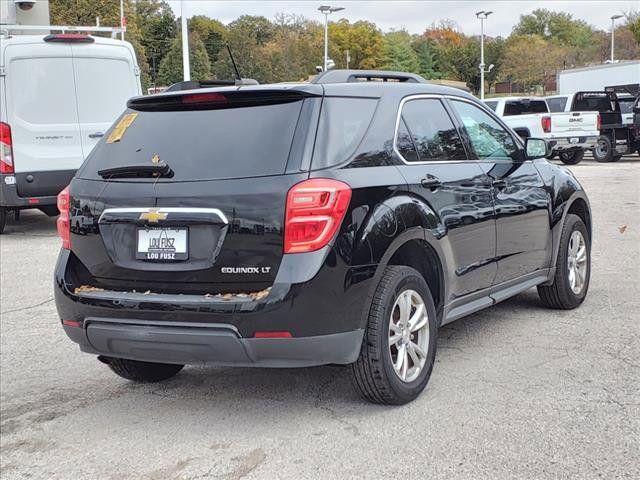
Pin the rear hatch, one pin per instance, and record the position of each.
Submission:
(186, 193)
(582, 123)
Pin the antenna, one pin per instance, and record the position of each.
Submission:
(233, 61)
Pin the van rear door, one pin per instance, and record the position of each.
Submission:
(105, 78)
(42, 113)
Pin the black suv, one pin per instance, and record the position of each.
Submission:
(335, 222)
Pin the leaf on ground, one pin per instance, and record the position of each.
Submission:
(622, 229)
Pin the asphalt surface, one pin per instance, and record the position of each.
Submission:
(518, 391)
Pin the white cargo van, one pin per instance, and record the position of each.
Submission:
(59, 93)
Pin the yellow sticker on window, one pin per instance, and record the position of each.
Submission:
(124, 123)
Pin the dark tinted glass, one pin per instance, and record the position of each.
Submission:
(343, 123)
(492, 105)
(405, 144)
(557, 104)
(525, 107)
(432, 131)
(626, 104)
(597, 103)
(204, 144)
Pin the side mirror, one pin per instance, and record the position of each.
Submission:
(536, 148)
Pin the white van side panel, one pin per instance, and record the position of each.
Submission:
(41, 107)
(105, 78)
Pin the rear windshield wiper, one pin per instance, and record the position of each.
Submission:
(137, 171)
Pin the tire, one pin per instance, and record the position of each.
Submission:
(3, 219)
(373, 374)
(571, 157)
(560, 294)
(603, 152)
(143, 371)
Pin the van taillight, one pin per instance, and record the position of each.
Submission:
(315, 209)
(6, 149)
(599, 123)
(546, 124)
(64, 219)
(69, 38)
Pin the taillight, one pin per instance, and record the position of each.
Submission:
(64, 219)
(315, 209)
(599, 123)
(546, 124)
(6, 149)
(69, 38)
(208, 97)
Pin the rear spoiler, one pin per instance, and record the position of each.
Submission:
(350, 76)
(218, 99)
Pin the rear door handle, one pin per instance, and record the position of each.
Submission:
(96, 135)
(499, 184)
(431, 182)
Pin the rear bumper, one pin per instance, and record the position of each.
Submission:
(315, 298)
(213, 344)
(10, 198)
(567, 143)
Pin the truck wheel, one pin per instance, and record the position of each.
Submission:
(3, 219)
(573, 268)
(604, 149)
(399, 344)
(143, 371)
(572, 157)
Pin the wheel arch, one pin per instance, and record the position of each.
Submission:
(578, 204)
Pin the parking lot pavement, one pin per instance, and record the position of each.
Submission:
(518, 391)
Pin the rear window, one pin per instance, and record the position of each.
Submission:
(42, 91)
(213, 144)
(626, 104)
(593, 102)
(557, 104)
(525, 107)
(492, 105)
(343, 123)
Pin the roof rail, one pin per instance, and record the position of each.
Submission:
(194, 84)
(349, 76)
(7, 29)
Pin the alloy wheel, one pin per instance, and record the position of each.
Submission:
(408, 335)
(577, 262)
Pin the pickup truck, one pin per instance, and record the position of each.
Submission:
(569, 134)
(615, 136)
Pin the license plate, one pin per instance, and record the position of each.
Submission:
(574, 140)
(162, 244)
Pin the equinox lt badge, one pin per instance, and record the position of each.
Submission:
(245, 269)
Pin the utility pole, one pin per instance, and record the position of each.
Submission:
(482, 15)
(186, 70)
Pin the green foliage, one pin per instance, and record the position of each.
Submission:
(158, 28)
(633, 24)
(362, 39)
(530, 58)
(171, 67)
(398, 54)
(212, 32)
(428, 57)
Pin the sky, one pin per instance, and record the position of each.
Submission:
(414, 16)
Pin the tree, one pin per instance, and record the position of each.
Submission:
(427, 54)
(398, 54)
(158, 28)
(212, 32)
(84, 12)
(633, 24)
(363, 40)
(529, 59)
(171, 70)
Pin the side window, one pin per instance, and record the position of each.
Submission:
(557, 104)
(488, 138)
(491, 104)
(432, 131)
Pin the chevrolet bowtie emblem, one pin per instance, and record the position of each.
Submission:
(152, 216)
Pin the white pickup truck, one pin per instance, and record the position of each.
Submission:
(569, 133)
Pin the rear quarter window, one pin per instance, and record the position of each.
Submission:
(557, 104)
(342, 126)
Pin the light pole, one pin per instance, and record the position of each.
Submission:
(186, 70)
(326, 10)
(613, 30)
(482, 15)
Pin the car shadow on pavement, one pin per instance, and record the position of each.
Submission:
(321, 387)
(32, 223)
